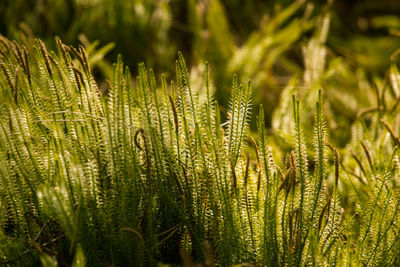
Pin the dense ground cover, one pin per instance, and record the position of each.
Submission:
(292, 162)
(147, 172)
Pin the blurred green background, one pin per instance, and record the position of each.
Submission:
(341, 46)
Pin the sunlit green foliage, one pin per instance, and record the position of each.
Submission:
(146, 172)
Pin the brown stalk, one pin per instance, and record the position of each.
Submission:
(84, 58)
(394, 136)
(45, 55)
(62, 47)
(246, 174)
(368, 156)
(337, 166)
(174, 114)
(27, 69)
(358, 162)
(78, 77)
(234, 178)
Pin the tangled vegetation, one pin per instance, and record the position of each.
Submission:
(145, 172)
(281, 151)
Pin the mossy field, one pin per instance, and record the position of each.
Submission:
(199, 133)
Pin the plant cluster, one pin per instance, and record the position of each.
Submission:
(146, 172)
